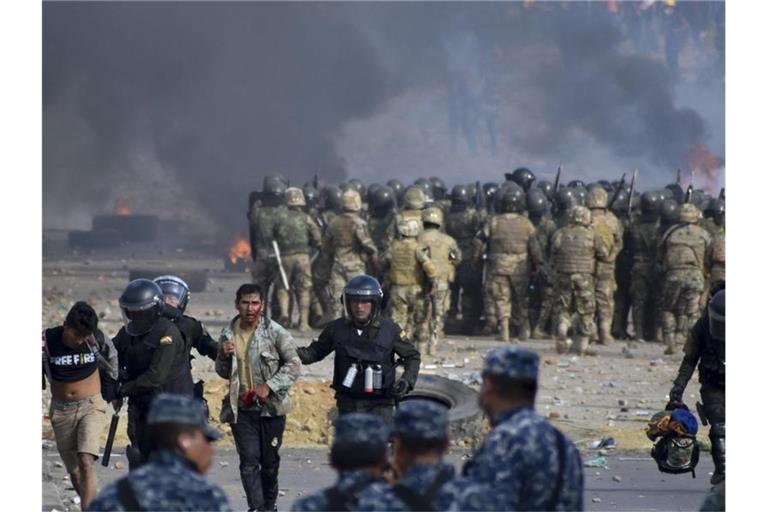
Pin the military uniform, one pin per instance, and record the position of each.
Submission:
(544, 281)
(445, 255)
(606, 226)
(717, 272)
(360, 431)
(155, 362)
(642, 242)
(298, 235)
(168, 481)
(463, 225)
(524, 463)
(262, 222)
(574, 251)
(684, 253)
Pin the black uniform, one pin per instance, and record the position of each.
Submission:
(155, 362)
(375, 344)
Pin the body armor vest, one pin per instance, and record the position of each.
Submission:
(343, 230)
(463, 226)
(509, 234)
(607, 228)
(718, 251)
(262, 226)
(439, 248)
(405, 269)
(293, 233)
(576, 254)
(643, 240)
(685, 246)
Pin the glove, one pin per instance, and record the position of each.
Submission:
(401, 388)
(675, 399)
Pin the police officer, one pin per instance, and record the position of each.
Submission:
(359, 456)
(153, 357)
(365, 344)
(173, 479)
(705, 348)
(524, 463)
(419, 441)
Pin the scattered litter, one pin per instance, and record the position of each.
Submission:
(430, 366)
(642, 412)
(76, 500)
(281, 493)
(118, 465)
(596, 462)
(622, 402)
(616, 478)
(223, 463)
(563, 364)
(554, 415)
(596, 500)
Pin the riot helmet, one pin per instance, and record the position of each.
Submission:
(650, 204)
(537, 202)
(620, 202)
(357, 185)
(577, 184)
(273, 187)
(606, 185)
(396, 186)
(565, 198)
(677, 192)
(510, 200)
(670, 210)
(310, 195)
(716, 211)
(175, 289)
(522, 176)
(331, 198)
(383, 200)
(438, 187)
(141, 304)
(716, 313)
(490, 191)
(371, 192)
(547, 187)
(460, 198)
(363, 287)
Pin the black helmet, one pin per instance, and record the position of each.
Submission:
(331, 198)
(424, 184)
(522, 176)
(438, 187)
(716, 313)
(715, 210)
(310, 196)
(460, 198)
(383, 200)
(547, 187)
(274, 186)
(472, 191)
(620, 202)
(665, 194)
(537, 202)
(357, 185)
(372, 188)
(141, 304)
(367, 288)
(279, 177)
(565, 198)
(677, 192)
(670, 211)
(174, 287)
(396, 186)
(650, 202)
(577, 184)
(510, 200)
(580, 193)
(606, 185)
(490, 190)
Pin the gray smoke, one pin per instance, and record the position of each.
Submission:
(188, 105)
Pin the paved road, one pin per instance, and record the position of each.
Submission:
(304, 470)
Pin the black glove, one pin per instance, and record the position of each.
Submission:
(401, 388)
(675, 399)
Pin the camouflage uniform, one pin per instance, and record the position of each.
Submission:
(168, 481)
(518, 465)
(297, 234)
(642, 241)
(445, 254)
(263, 221)
(574, 251)
(512, 248)
(463, 225)
(377, 226)
(356, 430)
(717, 272)
(345, 246)
(684, 254)
(411, 272)
(608, 228)
(544, 280)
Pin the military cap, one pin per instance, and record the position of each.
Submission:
(174, 408)
(512, 362)
(421, 419)
(360, 428)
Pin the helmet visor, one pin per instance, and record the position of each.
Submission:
(139, 322)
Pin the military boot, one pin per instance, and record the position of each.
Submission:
(432, 347)
(580, 344)
(504, 334)
(717, 439)
(490, 327)
(284, 301)
(562, 346)
(669, 341)
(604, 333)
(422, 347)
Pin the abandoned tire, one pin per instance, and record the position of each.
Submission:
(464, 414)
(197, 280)
(98, 239)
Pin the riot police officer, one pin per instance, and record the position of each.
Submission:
(366, 344)
(705, 347)
(153, 357)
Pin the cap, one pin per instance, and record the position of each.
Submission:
(360, 428)
(421, 419)
(512, 362)
(174, 408)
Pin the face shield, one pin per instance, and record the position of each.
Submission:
(175, 291)
(141, 321)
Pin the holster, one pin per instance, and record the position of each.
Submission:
(702, 415)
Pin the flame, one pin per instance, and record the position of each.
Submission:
(121, 206)
(706, 165)
(241, 249)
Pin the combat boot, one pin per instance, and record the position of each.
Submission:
(562, 346)
(669, 341)
(717, 439)
(604, 333)
(432, 347)
(579, 344)
(504, 334)
(283, 301)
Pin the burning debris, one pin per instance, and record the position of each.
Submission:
(238, 257)
(707, 165)
(122, 206)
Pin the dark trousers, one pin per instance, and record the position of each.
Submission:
(382, 408)
(258, 440)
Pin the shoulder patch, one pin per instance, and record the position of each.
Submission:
(166, 340)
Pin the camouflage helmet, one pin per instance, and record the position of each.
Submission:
(689, 214)
(580, 215)
(670, 210)
(414, 198)
(409, 228)
(294, 197)
(597, 197)
(350, 201)
(432, 215)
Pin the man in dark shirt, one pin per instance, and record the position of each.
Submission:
(72, 354)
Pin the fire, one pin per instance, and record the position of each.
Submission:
(121, 206)
(241, 249)
(706, 165)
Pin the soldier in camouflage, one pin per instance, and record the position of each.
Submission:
(420, 439)
(642, 241)
(524, 463)
(513, 251)
(611, 232)
(445, 255)
(382, 214)
(359, 455)
(297, 235)
(411, 276)
(622, 300)
(414, 201)
(173, 479)
(684, 257)
(462, 223)
(574, 250)
(544, 280)
(347, 246)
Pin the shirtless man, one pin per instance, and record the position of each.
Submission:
(72, 354)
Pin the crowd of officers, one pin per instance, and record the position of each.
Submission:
(526, 258)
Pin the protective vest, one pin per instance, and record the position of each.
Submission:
(718, 251)
(293, 232)
(378, 228)
(137, 357)
(463, 226)
(262, 227)
(343, 230)
(606, 227)
(544, 230)
(404, 269)
(509, 234)
(643, 240)
(439, 252)
(576, 253)
(684, 247)
(373, 346)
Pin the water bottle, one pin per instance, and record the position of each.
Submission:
(377, 376)
(368, 379)
(349, 379)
